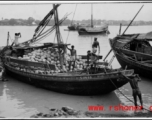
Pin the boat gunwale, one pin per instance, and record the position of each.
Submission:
(73, 78)
(140, 64)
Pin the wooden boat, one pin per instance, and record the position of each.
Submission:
(72, 27)
(134, 51)
(93, 30)
(75, 27)
(92, 81)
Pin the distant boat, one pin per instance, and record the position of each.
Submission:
(75, 26)
(92, 30)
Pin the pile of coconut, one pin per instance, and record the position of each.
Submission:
(51, 56)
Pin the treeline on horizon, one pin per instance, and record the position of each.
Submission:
(32, 22)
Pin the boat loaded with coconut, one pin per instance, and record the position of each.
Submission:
(134, 51)
(93, 30)
(47, 65)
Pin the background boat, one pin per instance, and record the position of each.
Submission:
(93, 30)
(76, 26)
(134, 52)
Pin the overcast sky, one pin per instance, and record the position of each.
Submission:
(106, 10)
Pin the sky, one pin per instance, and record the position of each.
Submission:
(101, 10)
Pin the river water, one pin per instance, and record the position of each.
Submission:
(20, 100)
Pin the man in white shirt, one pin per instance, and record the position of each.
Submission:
(17, 36)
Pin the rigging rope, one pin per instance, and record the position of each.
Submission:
(46, 17)
(71, 23)
(10, 38)
(44, 27)
(47, 32)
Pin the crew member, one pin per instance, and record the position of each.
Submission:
(17, 36)
(95, 45)
(133, 80)
(73, 56)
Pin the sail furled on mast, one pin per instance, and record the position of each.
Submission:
(57, 25)
(40, 33)
(42, 23)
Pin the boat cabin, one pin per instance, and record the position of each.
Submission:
(138, 49)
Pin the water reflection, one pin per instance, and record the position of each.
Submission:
(10, 106)
(22, 100)
(128, 98)
(18, 99)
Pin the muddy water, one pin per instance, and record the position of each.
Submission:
(20, 100)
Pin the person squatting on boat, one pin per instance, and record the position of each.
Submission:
(17, 36)
(73, 56)
(95, 45)
(91, 62)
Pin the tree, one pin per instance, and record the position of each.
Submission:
(30, 20)
(12, 22)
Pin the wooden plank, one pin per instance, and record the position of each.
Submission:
(99, 63)
(85, 56)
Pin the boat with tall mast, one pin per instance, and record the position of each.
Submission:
(44, 65)
(93, 30)
(133, 51)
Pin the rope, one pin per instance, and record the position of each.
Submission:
(71, 23)
(127, 97)
(10, 38)
(124, 94)
(46, 33)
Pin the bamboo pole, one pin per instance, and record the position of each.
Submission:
(132, 20)
(120, 29)
(8, 39)
(126, 28)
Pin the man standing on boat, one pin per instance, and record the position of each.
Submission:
(17, 36)
(95, 45)
(73, 56)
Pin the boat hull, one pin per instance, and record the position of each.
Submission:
(84, 86)
(143, 70)
(139, 68)
(72, 28)
(92, 33)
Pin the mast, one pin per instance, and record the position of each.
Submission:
(91, 16)
(61, 57)
(57, 25)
